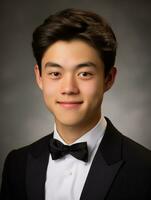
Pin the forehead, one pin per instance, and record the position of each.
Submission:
(69, 53)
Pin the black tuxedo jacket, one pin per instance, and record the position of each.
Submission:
(121, 170)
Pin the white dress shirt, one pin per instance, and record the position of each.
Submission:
(66, 176)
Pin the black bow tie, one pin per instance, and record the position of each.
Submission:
(78, 150)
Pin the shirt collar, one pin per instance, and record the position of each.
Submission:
(92, 137)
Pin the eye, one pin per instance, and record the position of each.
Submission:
(85, 75)
(54, 75)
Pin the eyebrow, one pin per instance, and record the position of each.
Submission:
(84, 64)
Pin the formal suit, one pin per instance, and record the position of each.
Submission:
(121, 170)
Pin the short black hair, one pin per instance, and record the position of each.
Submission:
(72, 24)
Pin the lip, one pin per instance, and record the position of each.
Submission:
(70, 104)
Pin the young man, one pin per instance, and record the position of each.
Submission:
(85, 157)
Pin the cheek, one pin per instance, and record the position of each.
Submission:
(92, 90)
(49, 90)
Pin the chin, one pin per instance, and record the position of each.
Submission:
(69, 121)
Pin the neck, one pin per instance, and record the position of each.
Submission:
(71, 133)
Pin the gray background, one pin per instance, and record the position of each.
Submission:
(23, 116)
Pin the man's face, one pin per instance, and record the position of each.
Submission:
(73, 82)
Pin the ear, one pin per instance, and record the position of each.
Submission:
(110, 78)
(38, 76)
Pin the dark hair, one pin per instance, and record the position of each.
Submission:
(72, 24)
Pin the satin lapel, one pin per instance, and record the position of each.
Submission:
(36, 170)
(100, 178)
(105, 167)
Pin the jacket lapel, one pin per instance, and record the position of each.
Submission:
(105, 166)
(36, 169)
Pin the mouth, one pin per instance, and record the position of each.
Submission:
(70, 104)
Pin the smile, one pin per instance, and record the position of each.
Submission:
(70, 104)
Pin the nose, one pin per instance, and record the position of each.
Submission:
(69, 86)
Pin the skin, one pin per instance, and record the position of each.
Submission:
(73, 84)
